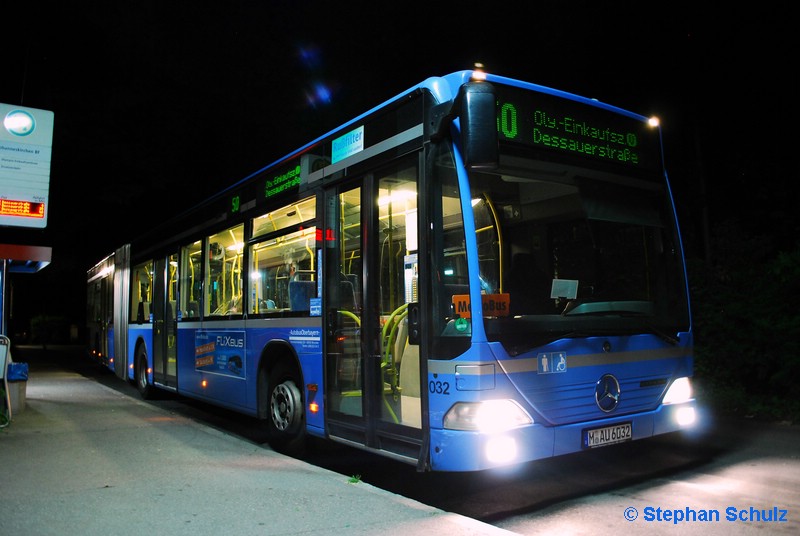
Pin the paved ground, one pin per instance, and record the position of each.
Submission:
(85, 459)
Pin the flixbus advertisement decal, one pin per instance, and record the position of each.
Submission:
(220, 352)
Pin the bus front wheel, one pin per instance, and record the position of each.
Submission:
(286, 425)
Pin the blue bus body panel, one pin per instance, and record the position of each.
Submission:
(230, 369)
(218, 357)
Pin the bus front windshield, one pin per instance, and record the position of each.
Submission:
(576, 252)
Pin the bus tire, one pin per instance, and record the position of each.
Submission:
(144, 388)
(285, 419)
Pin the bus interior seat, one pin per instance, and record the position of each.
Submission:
(409, 368)
(347, 296)
(406, 359)
(300, 294)
(143, 313)
(193, 310)
(353, 278)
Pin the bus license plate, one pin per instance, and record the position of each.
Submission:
(608, 435)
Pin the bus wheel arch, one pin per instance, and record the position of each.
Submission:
(280, 398)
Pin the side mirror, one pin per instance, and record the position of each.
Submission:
(478, 120)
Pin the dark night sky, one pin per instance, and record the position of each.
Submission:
(159, 104)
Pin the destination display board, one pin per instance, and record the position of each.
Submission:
(566, 129)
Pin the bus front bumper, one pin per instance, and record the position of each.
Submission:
(457, 450)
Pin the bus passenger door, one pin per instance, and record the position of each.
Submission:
(100, 300)
(373, 380)
(344, 307)
(165, 283)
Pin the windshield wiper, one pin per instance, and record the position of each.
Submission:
(655, 330)
(661, 334)
(622, 313)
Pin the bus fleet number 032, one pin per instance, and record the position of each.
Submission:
(439, 387)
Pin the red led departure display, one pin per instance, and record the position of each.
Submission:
(25, 209)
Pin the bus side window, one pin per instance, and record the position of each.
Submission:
(141, 288)
(283, 264)
(190, 280)
(224, 272)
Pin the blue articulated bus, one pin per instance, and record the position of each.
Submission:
(476, 273)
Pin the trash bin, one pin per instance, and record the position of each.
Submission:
(17, 377)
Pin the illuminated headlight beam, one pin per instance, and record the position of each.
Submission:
(679, 392)
(488, 416)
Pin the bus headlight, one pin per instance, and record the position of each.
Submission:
(486, 416)
(680, 391)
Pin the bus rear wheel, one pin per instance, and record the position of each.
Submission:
(144, 388)
(285, 422)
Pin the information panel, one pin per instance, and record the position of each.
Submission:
(569, 130)
(26, 140)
